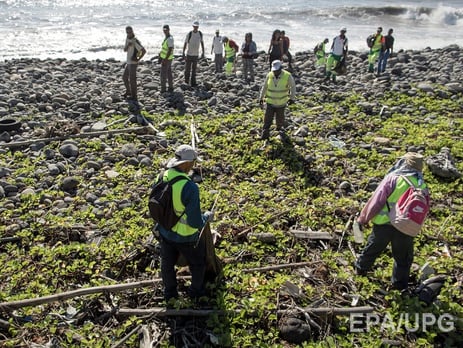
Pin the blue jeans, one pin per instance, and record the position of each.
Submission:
(402, 252)
(383, 60)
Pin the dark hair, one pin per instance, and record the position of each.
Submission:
(276, 31)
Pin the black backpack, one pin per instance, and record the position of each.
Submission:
(135, 51)
(160, 204)
(191, 33)
(371, 40)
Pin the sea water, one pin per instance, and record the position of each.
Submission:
(75, 29)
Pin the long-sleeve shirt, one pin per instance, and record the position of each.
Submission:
(195, 219)
(248, 49)
(378, 199)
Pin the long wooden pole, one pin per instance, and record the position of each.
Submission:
(71, 136)
(9, 306)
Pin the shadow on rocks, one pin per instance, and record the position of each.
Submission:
(295, 162)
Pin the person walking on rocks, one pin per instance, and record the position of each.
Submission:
(376, 49)
(339, 48)
(377, 209)
(217, 50)
(248, 53)
(278, 90)
(231, 48)
(135, 52)
(166, 56)
(286, 42)
(320, 53)
(184, 238)
(386, 52)
(193, 40)
(275, 49)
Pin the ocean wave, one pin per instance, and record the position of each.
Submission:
(439, 15)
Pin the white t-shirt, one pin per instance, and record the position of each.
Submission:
(131, 45)
(193, 44)
(338, 45)
(217, 44)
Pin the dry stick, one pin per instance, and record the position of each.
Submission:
(192, 131)
(212, 210)
(9, 306)
(344, 231)
(71, 136)
(278, 267)
(273, 217)
(126, 337)
(163, 312)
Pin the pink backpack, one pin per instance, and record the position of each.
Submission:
(411, 209)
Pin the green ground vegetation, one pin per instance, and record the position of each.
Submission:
(68, 242)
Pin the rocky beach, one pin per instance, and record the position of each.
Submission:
(75, 167)
(57, 89)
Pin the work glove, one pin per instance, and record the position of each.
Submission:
(209, 216)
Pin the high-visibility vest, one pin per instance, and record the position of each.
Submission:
(378, 42)
(229, 51)
(165, 49)
(278, 95)
(400, 187)
(181, 227)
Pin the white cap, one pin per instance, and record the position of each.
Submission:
(276, 65)
(184, 153)
(196, 24)
(343, 29)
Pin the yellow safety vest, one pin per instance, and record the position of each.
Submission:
(278, 95)
(378, 44)
(165, 49)
(182, 228)
(401, 186)
(229, 51)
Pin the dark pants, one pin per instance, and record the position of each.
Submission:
(383, 60)
(272, 58)
(195, 257)
(190, 66)
(218, 60)
(402, 252)
(270, 112)
(130, 80)
(166, 75)
(290, 58)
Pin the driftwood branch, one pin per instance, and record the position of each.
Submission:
(311, 234)
(9, 306)
(13, 239)
(271, 218)
(278, 267)
(136, 130)
(163, 312)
